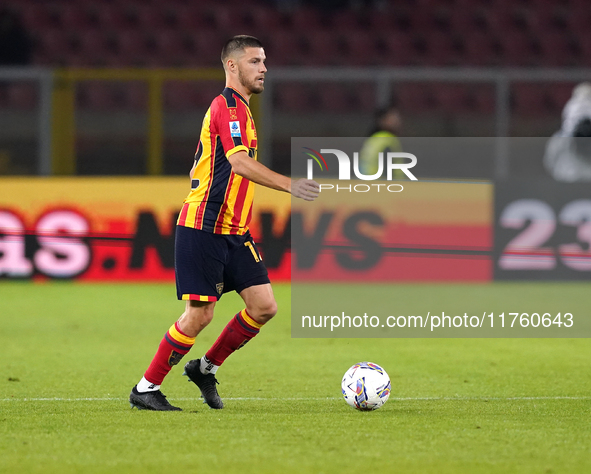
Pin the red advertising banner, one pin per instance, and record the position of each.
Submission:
(425, 231)
(106, 229)
(122, 229)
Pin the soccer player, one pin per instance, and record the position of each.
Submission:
(214, 252)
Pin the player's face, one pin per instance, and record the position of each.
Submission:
(251, 70)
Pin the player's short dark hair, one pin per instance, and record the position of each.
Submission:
(239, 42)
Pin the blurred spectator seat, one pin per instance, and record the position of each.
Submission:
(558, 95)
(422, 20)
(54, 46)
(112, 16)
(171, 48)
(546, 17)
(74, 17)
(94, 48)
(481, 99)
(136, 96)
(578, 18)
(97, 95)
(264, 18)
(381, 22)
(235, 19)
(333, 97)
(180, 96)
(518, 49)
(441, 49)
(418, 33)
(346, 21)
(191, 17)
(360, 48)
(292, 97)
(187, 96)
(205, 53)
(480, 49)
(464, 98)
(133, 47)
(584, 45)
(305, 19)
(414, 98)
(450, 98)
(323, 48)
(396, 49)
(498, 18)
(153, 16)
(207, 91)
(529, 100)
(36, 16)
(286, 48)
(364, 97)
(557, 49)
(462, 21)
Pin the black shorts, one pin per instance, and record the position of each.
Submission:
(207, 265)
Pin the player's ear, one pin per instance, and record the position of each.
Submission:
(231, 64)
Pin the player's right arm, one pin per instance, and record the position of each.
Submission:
(232, 123)
(243, 165)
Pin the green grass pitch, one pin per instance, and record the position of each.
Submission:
(70, 354)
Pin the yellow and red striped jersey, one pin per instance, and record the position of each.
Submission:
(220, 201)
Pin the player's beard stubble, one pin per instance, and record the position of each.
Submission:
(254, 86)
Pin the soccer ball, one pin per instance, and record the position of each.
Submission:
(366, 386)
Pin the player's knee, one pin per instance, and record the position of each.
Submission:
(203, 319)
(195, 318)
(264, 311)
(271, 309)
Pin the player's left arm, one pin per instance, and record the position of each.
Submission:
(243, 165)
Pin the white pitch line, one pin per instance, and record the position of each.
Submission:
(118, 399)
(110, 399)
(489, 398)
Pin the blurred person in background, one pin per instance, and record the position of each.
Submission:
(576, 109)
(16, 46)
(383, 139)
(568, 152)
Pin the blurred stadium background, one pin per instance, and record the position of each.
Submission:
(91, 97)
(93, 88)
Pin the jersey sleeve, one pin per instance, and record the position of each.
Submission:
(232, 128)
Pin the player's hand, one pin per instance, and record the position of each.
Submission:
(306, 189)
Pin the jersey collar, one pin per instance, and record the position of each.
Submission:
(239, 95)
